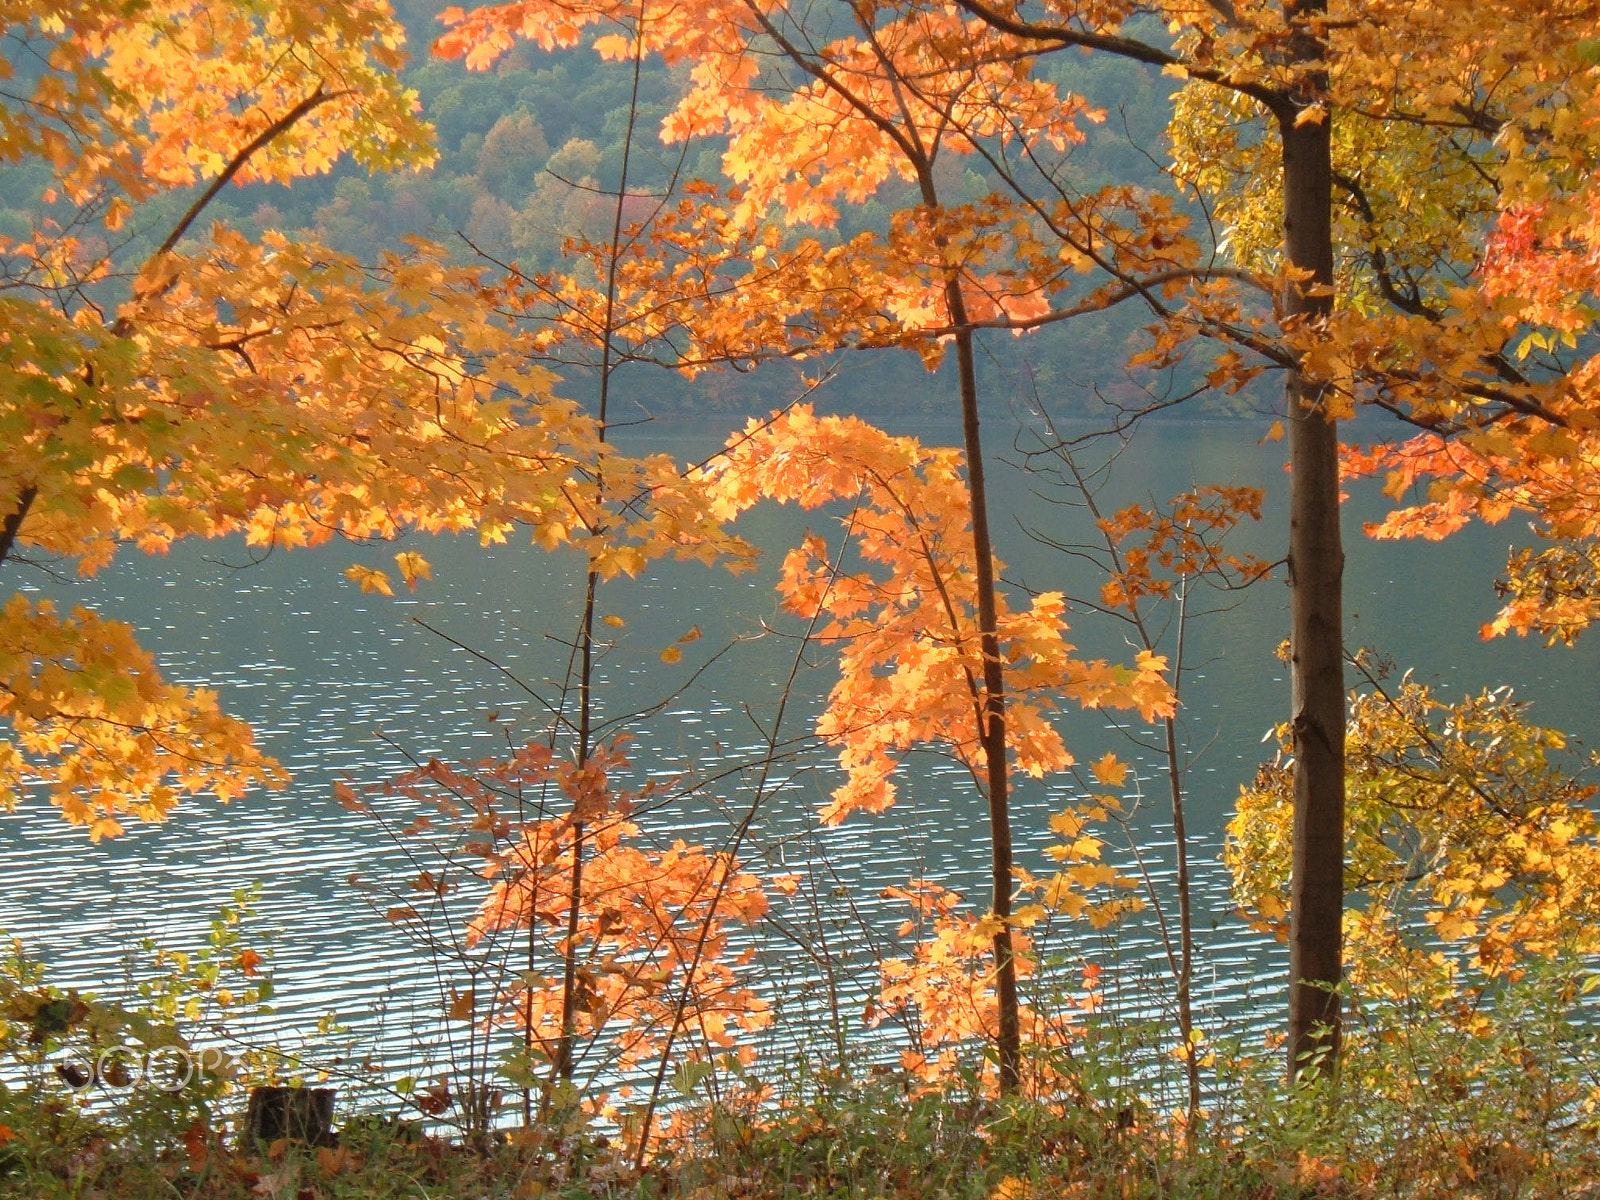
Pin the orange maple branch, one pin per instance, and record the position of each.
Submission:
(268, 135)
(1133, 286)
(123, 326)
(899, 82)
(911, 149)
(1484, 391)
(946, 600)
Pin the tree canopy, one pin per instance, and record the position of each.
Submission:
(1410, 232)
(213, 383)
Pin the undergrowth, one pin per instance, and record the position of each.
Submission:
(1497, 1108)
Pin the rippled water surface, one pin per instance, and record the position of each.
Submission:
(345, 685)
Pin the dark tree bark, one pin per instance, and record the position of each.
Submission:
(1316, 573)
(992, 715)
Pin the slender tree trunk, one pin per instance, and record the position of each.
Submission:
(1180, 957)
(1008, 1040)
(565, 1064)
(1316, 559)
(1180, 839)
(565, 1058)
(1316, 570)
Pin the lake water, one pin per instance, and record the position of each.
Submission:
(341, 684)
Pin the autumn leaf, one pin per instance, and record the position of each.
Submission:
(436, 1100)
(1091, 875)
(347, 797)
(1109, 770)
(1457, 812)
(917, 609)
(370, 579)
(462, 1005)
(412, 568)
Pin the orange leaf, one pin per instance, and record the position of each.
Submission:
(1109, 770)
(370, 579)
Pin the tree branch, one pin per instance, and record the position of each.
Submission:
(123, 326)
(1123, 47)
(14, 518)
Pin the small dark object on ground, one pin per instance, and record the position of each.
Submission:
(299, 1114)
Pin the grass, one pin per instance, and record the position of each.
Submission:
(1482, 1092)
(879, 1136)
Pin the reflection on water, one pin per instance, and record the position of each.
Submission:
(339, 684)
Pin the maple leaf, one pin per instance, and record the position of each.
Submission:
(268, 386)
(370, 579)
(412, 568)
(1109, 770)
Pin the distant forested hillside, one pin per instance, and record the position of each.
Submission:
(529, 155)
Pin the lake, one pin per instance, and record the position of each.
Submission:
(345, 685)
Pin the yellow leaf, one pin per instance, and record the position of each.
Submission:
(1274, 433)
(462, 1004)
(613, 620)
(1109, 770)
(413, 567)
(370, 579)
(1060, 895)
(1088, 875)
(1013, 1188)
(988, 927)
(671, 654)
(1029, 915)
(1451, 925)
(1068, 823)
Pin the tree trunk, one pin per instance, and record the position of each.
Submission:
(1316, 570)
(1008, 1038)
(298, 1114)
